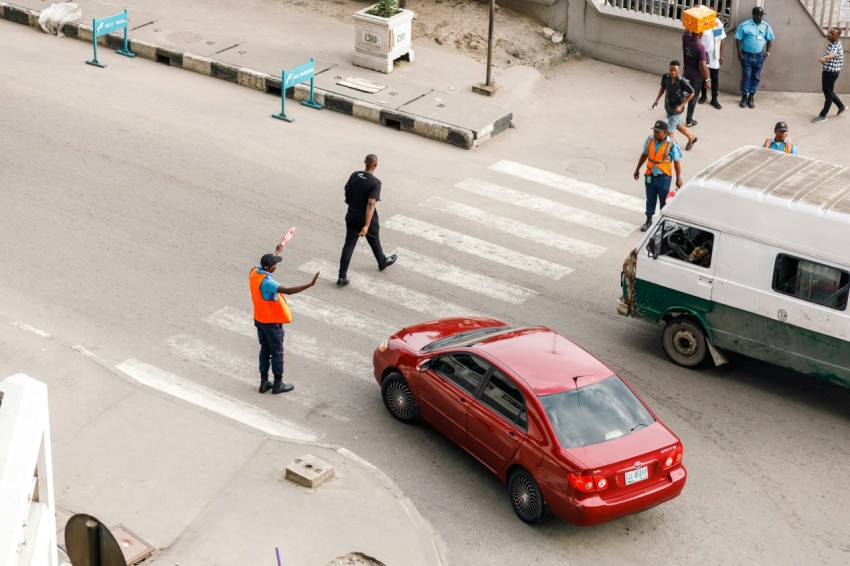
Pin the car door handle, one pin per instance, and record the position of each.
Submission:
(462, 400)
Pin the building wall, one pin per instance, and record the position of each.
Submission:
(553, 13)
(648, 43)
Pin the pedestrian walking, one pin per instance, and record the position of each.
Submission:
(696, 69)
(661, 155)
(270, 314)
(362, 193)
(781, 141)
(753, 40)
(677, 93)
(714, 41)
(832, 62)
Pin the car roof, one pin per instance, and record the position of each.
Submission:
(544, 359)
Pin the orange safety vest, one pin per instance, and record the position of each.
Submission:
(274, 311)
(659, 157)
(788, 144)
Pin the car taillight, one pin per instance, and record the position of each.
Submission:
(383, 346)
(674, 457)
(588, 483)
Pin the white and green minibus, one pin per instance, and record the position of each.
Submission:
(752, 256)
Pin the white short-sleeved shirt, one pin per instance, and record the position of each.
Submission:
(711, 40)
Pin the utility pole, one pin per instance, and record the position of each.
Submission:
(489, 87)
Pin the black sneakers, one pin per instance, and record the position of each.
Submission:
(387, 262)
(342, 282)
(265, 384)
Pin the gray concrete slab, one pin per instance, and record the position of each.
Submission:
(457, 110)
(396, 95)
(177, 36)
(257, 57)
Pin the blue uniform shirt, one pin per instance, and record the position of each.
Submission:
(754, 36)
(268, 288)
(675, 152)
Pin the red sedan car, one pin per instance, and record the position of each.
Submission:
(547, 417)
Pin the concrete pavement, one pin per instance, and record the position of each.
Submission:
(251, 41)
(201, 488)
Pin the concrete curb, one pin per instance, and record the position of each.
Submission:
(457, 136)
(432, 546)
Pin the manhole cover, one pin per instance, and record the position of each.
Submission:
(183, 37)
(584, 166)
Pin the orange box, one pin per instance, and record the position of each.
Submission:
(699, 19)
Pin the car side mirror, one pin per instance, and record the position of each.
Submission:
(424, 365)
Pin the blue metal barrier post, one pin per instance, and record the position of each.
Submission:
(288, 79)
(105, 26)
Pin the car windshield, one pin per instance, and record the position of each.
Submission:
(470, 335)
(595, 413)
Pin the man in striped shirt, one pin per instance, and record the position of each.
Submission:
(832, 62)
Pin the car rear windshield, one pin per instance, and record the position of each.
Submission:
(471, 336)
(595, 413)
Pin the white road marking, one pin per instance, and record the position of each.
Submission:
(28, 328)
(516, 228)
(214, 401)
(384, 290)
(477, 247)
(215, 359)
(307, 304)
(300, 344)
(560, 211)
(569, 185)
(469, 280)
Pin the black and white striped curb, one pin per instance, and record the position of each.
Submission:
(458, 136)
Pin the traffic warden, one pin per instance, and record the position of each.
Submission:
(781, 141)
(753, 40)
(270, 314)
(661, 155)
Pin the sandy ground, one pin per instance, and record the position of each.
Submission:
(462, 26)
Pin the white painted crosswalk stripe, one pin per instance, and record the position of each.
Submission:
(213, 358)
(307, 304)
(386, 291)
(476, 247)
(453, 275)
(515, 228)
(552, 208)
(300, 344)
(567, 184)
(214, 401)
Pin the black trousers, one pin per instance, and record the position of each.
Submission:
(827, 82)
(352, 234)
(697, 84)
(714, 75)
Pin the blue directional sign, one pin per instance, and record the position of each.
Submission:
(109, 25)
(289, 79)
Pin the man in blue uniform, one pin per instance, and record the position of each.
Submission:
(753, 39)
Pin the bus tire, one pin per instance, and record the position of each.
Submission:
(684, 342)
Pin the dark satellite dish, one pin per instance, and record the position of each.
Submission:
(90, 543)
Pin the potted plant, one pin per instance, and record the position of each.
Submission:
(382, 34)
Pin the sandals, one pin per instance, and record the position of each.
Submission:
(691, 144)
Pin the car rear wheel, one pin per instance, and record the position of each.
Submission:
(684, 342)
(526, 498)
(398, 398)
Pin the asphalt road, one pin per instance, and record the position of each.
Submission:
(134, 200)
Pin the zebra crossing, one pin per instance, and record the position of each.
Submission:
(327, 320)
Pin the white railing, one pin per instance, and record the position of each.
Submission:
(673, 9)
(27, 513)
(830, 13)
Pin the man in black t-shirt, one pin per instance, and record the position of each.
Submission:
(362, 193)
(677, 93)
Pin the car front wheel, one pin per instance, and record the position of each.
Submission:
(398, 398)
(526, 498)
(684, 342)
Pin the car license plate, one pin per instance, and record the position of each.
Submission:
(637, 475)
